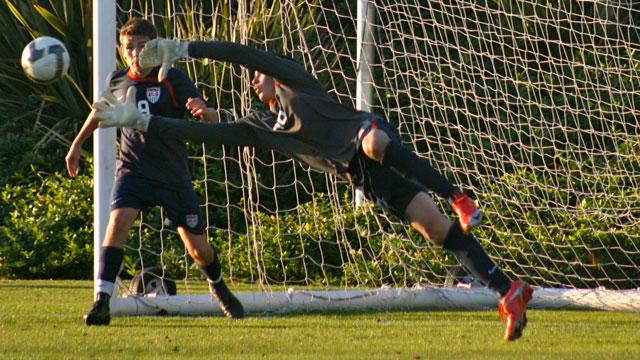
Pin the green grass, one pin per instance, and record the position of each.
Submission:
(43, 319)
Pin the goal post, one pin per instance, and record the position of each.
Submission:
(531, 106)
(104, 140)
(364, 58)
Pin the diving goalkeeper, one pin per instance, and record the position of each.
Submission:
(305, 123)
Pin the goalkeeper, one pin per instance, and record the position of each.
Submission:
(151, 171)
(305, 123)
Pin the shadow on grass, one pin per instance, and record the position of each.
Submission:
(263, 320)
(89, 285)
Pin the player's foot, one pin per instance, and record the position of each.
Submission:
(229, 304)
(466, 211)
(99, 314)
(513, 309)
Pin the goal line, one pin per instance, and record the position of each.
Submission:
(381, 299)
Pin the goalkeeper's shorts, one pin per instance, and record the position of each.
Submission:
(182, 205)
(382, 185)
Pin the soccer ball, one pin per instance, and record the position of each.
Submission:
(45, 59)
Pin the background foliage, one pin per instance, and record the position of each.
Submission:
(45, 218)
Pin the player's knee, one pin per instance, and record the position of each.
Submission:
(433, 230)
(121, 221)
(118, 229)
(374, 144)
(196, 254)
(424, 216)
(201, 254)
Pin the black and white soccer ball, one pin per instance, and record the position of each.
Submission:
(45, 59)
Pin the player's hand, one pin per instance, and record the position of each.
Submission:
(112, 112)
(196, 107)
(73, 161)
(163, 52)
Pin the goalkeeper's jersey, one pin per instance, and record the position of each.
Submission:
(161, 160)
(320, 131)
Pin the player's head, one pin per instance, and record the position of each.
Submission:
(264, 86)
(133, 35)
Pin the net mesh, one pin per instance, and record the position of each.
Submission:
(531, 106)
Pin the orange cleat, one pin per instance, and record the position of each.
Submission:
(466, 211)
(513, 309)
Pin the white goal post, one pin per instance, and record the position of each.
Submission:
(104, 140)
(380, 299)
(532, 106)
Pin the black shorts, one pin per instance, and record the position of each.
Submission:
(382, 185)
(182, 205)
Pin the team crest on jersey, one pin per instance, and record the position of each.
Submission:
(192, 220)
(153, 94)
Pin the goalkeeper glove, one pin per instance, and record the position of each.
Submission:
(112, 112)
(163, 52)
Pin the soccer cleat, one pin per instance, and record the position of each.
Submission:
(229, 304)
(99, 314)
(466, 211)
(513, 309)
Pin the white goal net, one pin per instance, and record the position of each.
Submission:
(533, 106)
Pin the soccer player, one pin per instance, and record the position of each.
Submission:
(151, 171)
(305, 123)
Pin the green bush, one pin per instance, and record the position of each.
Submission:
(45, 218)
(316, 245)
(590, 234)
(46, 232)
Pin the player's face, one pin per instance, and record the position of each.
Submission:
(130, 47)
(264, 86)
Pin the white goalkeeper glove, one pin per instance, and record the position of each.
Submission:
(163, 52)
(112, 112)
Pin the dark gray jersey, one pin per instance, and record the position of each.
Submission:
(319, 131)
(161, 160)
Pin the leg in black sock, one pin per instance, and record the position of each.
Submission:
(416, 169)
(212, 271)
(229, 304)
(475, 259)
(108, 269)
(110, 263)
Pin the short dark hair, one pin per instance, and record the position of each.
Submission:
(139, 27)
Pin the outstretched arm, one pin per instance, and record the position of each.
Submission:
(283, 69)
(232, 134)
(165, 52)
(110, 112)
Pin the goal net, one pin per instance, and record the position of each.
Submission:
(531, 106)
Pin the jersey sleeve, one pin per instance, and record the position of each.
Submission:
(183, 87)
(285, 70)
(108, 81)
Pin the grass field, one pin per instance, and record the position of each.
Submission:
(43, 319)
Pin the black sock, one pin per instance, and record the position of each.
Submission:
(102, 296)
(110, 263)
(475, 260)
(212, 271)
(416, 169)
